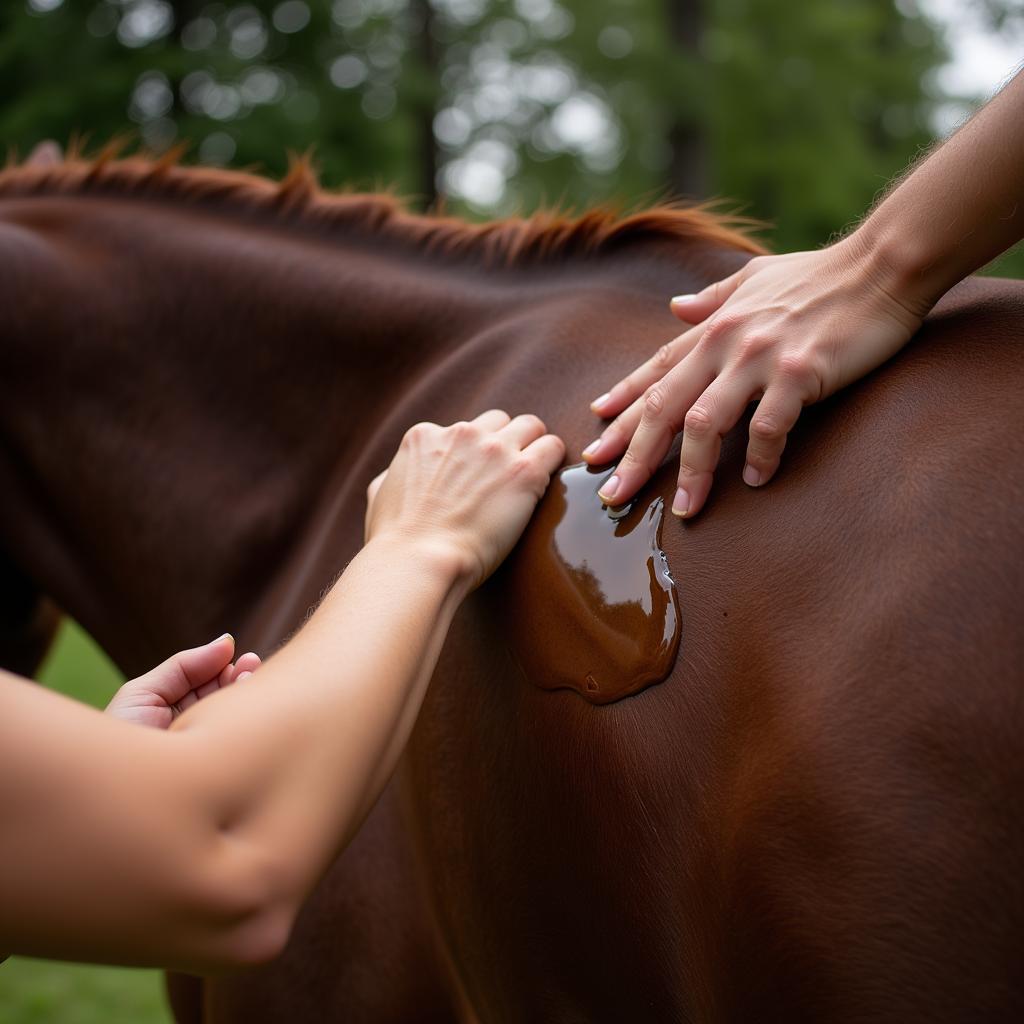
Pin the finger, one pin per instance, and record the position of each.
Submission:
(615, 438)
(201, 664)
(709, 419)
(524, 430)
(242, 676)
(694, 309)
(172, 679)
(186, 702)
(546, 453)
(221, 679)
(658, 418)
(493, 419)
(646, 374)
(770, 425)
(248, 662)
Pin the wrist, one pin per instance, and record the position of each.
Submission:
(433, 557)
(898, 266)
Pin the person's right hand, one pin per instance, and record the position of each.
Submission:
(468, 489)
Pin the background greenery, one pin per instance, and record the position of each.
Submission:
(795, 112)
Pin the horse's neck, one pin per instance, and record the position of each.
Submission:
(184, 400)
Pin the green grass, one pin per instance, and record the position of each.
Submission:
(47, 992)
(43, 992)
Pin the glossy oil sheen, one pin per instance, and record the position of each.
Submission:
(593, 605)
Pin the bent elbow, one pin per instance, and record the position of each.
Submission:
(249, 911)
(259, 939)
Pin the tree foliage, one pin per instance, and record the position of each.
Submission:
(796, 113)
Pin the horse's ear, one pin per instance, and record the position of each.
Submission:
(45, 154)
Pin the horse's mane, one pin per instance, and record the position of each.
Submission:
(298, 197)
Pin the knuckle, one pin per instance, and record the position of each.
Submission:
(521, 469)
(792, 364)
(630, 460)
(654, 402)
(687, 470)
(663, 357)
(463, 430)
(491, 447)
(417, 432)
(753, 346)
(718, 328)
(765, 428)
(698, 422)
(799, 369)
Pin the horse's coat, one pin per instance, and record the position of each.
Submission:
(590, 604)
(817, 816)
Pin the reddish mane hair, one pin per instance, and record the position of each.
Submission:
(298, 197)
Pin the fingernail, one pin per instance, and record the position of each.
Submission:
(683, 298)
(598, 402)
(751, 476)
(610, 489)
(242, 675)
(681, 503)
(223, 636)
(592, 447)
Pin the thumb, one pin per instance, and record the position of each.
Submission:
(186, 670)
(693, 309)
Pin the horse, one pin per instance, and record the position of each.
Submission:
(816, 815)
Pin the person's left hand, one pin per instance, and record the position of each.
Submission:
(784, 331)
(159, 696)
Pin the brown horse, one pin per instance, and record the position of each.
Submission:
(817, 815)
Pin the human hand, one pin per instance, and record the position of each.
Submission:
(159, 696)
(467, 490)
(788, 330)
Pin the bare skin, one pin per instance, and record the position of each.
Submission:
(201, 854)
(789, 330)
(157, 698)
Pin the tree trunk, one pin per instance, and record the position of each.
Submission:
(426, 56)
(688, 171)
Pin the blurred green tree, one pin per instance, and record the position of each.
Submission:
(797, 113)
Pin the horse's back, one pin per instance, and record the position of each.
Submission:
(818, 815)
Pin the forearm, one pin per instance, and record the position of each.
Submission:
(194, 847)
(957, 210)
(306, 747)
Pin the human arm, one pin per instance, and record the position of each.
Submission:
(789, 330)
(194, 847)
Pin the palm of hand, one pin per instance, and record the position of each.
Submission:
(161, 695)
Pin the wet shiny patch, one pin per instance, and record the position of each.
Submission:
(591, 605)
